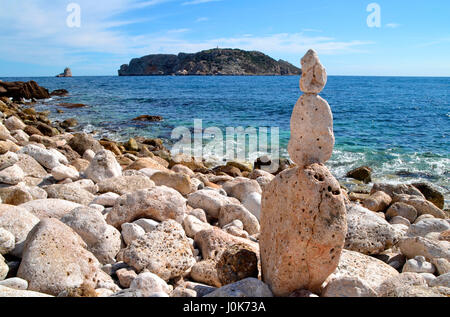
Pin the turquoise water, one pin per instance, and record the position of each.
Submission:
(398, 126)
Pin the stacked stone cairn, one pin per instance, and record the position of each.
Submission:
(303, 216)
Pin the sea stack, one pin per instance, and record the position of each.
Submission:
(67, 73)
(303, 222)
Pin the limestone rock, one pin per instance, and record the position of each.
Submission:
(30, 166)
(397, 220)
(241, 187)
(314, 75)
(15, 283)
(403, 210)
(19, 222)
(7, 241)
(55, 259)
(393, 190)
(148, 283)
(49, 208)
(20, 194)
(107, 199)
(390, 286)
(159, 203)
(8, 159)
(14, 123)
(165, 252)
(11, 292)
(423, 207)
(131, 232)
(81, 142)
(103, 166)
(62, 172)
(431, 194)
(123, 185)
(418, 265)
(47, 158)
(371, 271)
(312, 138)
(348, 287)
(126, 276)
(200, 214)
(213, 242)
(147, 224)
(442, 266)
(183, 169)
(231, 212)
(12, 175)
(208, 200)
(182, 292)
(72, 192)
(426, 226)
(88, 155)
(419, 246)
(199, 288)
(377, 202)
(442, 280)
(367, 233)
(179, 181)
(4, 268)
(101, 239)
(206, 272)
(192, 225)
(236, 228)
(301, 242)
(249, 287)
(146, 162)
(236, 263)
(264, 181)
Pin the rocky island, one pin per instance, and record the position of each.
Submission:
(67, 73)
(224, 62)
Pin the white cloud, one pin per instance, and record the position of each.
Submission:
(178, 31)
(392, 25)
(312, 30)
(202, 19)
(193, 2)
(283, 43)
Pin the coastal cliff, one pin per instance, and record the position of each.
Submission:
(211, 62)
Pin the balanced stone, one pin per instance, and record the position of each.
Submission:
(314, 75)
(303, 216)
(312, 138)
(303, 229)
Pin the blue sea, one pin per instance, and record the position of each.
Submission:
(399, 126)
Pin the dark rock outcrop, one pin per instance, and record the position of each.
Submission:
(71, 105)
(210, 62)
(19, 90)
(59, 93)
(363, 173)
(148, 118)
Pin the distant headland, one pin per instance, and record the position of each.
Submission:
(219, 62)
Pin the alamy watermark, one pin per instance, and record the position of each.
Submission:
(374, 18)
(74, 18)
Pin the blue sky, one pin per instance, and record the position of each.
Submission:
(413, 40)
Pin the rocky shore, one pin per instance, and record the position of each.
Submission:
(82, 217)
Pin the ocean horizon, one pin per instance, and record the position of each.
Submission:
(399, 126)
